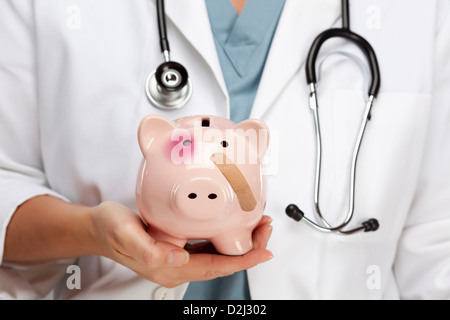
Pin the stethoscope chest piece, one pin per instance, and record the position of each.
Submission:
(169, 86)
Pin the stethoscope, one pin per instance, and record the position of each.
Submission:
(169, 87)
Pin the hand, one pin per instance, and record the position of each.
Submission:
(120, 234)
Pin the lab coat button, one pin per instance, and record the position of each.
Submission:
(163, 293)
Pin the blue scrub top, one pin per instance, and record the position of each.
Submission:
(242, 43)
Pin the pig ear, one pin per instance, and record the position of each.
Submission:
(151, 127)
(256, 128)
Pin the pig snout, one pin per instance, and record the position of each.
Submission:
(202, 198)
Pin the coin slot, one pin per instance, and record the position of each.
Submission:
(205, 122)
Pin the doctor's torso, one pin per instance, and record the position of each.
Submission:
(92, 60)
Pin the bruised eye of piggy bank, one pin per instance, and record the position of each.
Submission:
(180, 149)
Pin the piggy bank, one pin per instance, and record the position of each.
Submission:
(201, 179)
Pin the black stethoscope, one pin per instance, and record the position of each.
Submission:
(169, 87)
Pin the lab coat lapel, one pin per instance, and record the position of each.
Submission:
(191, 19)
(300, 23)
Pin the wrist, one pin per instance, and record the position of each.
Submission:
(85, 232)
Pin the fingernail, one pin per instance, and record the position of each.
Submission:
(177, 257)
(269, 257)
(269, 233)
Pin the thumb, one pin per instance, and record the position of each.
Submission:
(138, 245)
(171, 255)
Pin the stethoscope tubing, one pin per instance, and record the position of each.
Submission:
(362, 43)
(326, 226)
(162, 29)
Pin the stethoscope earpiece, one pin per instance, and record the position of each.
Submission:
(169, 87)
(294, 212)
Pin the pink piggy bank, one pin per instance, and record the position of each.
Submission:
(201, 178)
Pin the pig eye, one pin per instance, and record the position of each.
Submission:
(187, 142)
(224, 144)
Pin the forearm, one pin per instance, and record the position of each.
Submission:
(45, 228)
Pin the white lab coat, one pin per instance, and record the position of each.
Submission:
(72, 77)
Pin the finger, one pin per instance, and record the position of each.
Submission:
(262, 233)
(210, 266)
(265, 220)
(208, 247)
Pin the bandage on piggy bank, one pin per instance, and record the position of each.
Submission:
(201, 178)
